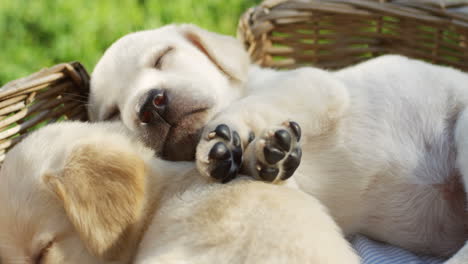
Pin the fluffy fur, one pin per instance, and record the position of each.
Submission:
(89, 193)
(384, 142)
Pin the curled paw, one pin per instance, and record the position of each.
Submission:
(276, 154)
(219, 155)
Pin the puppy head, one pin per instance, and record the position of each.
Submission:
(70, 194)
(165, 84)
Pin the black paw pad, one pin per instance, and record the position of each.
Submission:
(219, 152)
(283, 139)
(296, 129)
(280, 154)
(237, 155)
(221, 170)
(272, 154)
(236, 141)
(268, 173)
(225, 157)
(222, 131)
(291, 163)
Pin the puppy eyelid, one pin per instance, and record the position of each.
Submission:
(159, 59)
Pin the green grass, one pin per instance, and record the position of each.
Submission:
(41, 33)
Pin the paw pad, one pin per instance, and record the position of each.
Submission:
(225, 157)
(278, 153)
(296, 129)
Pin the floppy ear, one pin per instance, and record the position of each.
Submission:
(226, 52)
(102, 190)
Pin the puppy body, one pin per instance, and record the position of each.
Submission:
(384, 142)
(94, 195)
(243, 222)
(379, 146)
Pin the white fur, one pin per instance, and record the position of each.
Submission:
(188, 218)
(380, 144)
(383, 141)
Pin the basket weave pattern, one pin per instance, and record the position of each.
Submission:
(337, 33)
(51, 94)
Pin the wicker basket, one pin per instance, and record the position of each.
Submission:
(49, 95)
(336, 33)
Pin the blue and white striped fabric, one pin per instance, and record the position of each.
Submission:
(373, 252)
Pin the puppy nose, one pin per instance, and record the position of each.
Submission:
(153, 106)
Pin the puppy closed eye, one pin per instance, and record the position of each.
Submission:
(158, 63)
(39, 259)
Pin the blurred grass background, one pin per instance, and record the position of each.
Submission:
(41, 33)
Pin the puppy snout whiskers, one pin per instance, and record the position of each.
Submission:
(153, 107)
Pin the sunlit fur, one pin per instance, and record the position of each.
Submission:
(384, 142)
(98, 196)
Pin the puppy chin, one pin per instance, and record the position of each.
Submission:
(154, 136)
(182, 140)
(182, 149)
(175, 143)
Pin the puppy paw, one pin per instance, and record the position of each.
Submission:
(219, 153)
(276, 154)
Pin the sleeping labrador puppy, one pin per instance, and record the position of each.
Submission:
(89, 193)
(384, 143)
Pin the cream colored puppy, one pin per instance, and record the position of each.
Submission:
(384, 143)
(88, 193)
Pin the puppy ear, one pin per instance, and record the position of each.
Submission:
(102, 190)
(226, 52)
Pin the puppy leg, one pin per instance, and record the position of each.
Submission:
(222, 150)
(311, 97)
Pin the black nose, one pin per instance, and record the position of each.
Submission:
(153, 106)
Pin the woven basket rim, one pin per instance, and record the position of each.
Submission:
(431, 31)
(75, 70)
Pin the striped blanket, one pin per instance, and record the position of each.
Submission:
(373, 252)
